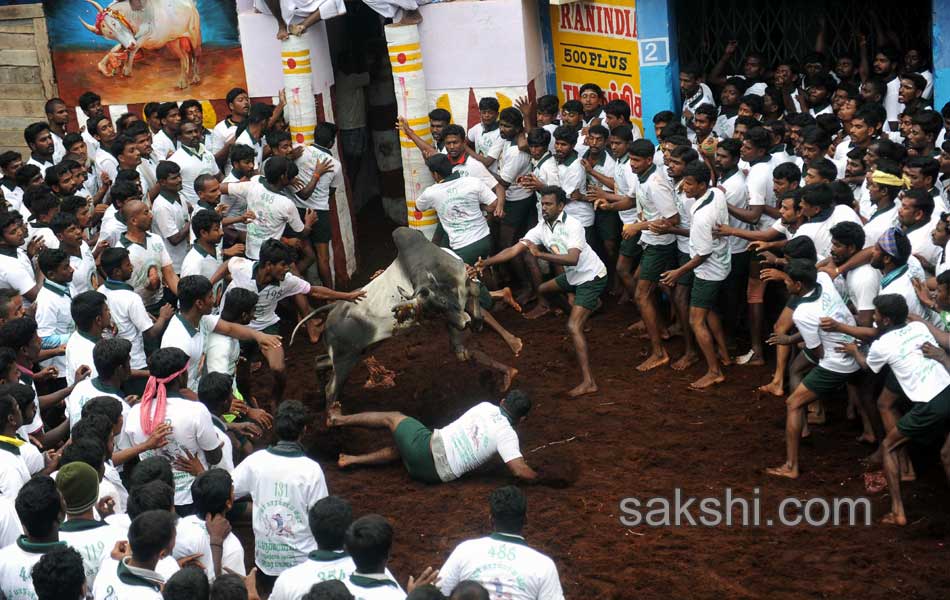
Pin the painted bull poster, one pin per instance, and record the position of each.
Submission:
(133, 51)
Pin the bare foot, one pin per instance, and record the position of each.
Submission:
(509, 377)
(772, 387)
(653, 361)
(508, 298)
(850, 413)
(817, 418)
(664, 335)
(726, 360)
(684, 362)
(524, 296)
(538, 311)
(314, 330)
(893, 519)
(586, 387)
(334, 412)
(411, 17)
(866, 438)
(876, 459)
(344, 461)
(783, 471)
(707, 381)
(637, 327)
(750, 358)
(515, 344)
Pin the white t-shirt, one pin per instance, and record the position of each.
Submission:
(483, 140)
(512, 164)
(374, 587)
(284, 484)
(116, 581)
(331, 180)
(504, 564)
(892, 104)
(472, 167)
(193, 163)
(16, 271)
(759, 185)
(321, 565)
(242, 276)
(193, 538)
(43, 231)
(221, 133)
(473, 439)
(921, 242)
(573, 178)
(86, 390)
(236, 206)
(903, 286)
(458, 202)
(863, 285)
(13, 470)
(10, 528)
(170, 218)
(106, 163)
(130, 317)
(146, 257)
(222, 353)
(246, 139)
(562, 235)
(162, 146)
(824, 301)
(736, 192)
(921, 378)
(818, 228)
(656, 199)
(626, 183)
(180, 334)
(112, 229)
(93, 540)
(708, 213)
(273, 210)
(879, 223)
(192, 430)
(84, 268)
(16, 567)
(53, 317)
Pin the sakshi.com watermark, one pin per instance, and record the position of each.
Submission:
(736, 510)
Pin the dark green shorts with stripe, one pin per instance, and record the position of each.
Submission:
(412, 440)
(586, 294)
(472, 252)
(656, 260)
(822, 382)
(927, 421)
(704, 293)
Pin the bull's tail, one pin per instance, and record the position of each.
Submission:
(312, 314)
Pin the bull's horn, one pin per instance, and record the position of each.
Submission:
(312, 314)
(404, 293)
(89, 27)
(96, 4)
(432, 278)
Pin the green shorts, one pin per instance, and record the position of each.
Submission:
(586, 294)
(412, 441)
(322, 230)
(681, 259)
(607, 223)
(926, 422)
(704, 293)
(521, 214)
(822, 382)
(249, 348)
(657, 260)
(631, 248)
(471, 253)
(484, 296)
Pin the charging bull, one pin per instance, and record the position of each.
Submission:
(149, 25)
(423, 282)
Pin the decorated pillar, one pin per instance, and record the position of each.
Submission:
(409, 82)
(301, 110)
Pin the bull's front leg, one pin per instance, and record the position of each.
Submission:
(105, 65)
(457, 342)
(127, 69)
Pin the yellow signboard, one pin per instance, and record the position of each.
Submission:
(596, 42)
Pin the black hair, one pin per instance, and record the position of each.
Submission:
(440, 164)
(214, 391)
(536, 137)
(40, 200)
(276, 136)
(565, 134)
(929, 167)
(425, 592)
(892, 306)
(818, 194)
(85, 449)
(153, 468)
(847, 233)
(50, 259)
(440, 114)
(693, 69)
(803, 271)
(9, 156)
(228, 587)
(549, 104)
(165, 169)
(274, 252)
(86, 307)
(513, 117)
(368, 540)
(825, 168)
(553, 190)
(165, 109)
(166, 361)
(150, 533)
(618, 108)
(509, 509)
(664, 116)
(517, 404)
(18, 333)
(233, 93)
(119, 145)
(686, 153)
(33, 131)
(211, 492)
(7, 402)
(7, 358)
(122, 191)
(870, 116)
(92, 125)
(21, 393)
(489, 103)
(291, 419)
(672, 129)
(708, 110)
(573, 106)
(470, 590)
(598, 130)
(201, 180)
(642, 148)
(829, 123)
(110, 354)
(802, 247)
(64, 220)
(453, 129)
(748, 122)
(137, 128)
(759, 137)
(276, 167)
(96, 426)
(192, 288)
(329, 519)
(189, 583)
(923, 201)
(891, 150)
(191, 103)
(112, 259)
(816, 136)
(10, 217)
(332, 589)
(25, 174)
(732, 146)
(698, 170)
(59, 575)
(324, 134)
(152, 495)
(87, 99)
(753, 101)
(38, 506)
(242, 152)
(238, 301)
(204, 220)
(105, 406)
(54, 173)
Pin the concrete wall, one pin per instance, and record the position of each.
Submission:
(941, 52)
(659, 67)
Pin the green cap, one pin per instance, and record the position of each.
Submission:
(79, 485)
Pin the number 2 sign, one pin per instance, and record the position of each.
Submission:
(654, 52)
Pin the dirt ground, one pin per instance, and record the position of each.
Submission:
(640, 436)
(221, 70)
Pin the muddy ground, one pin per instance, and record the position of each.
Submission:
(642, 436)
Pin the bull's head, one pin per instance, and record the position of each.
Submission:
(433, 299)
(112, 25)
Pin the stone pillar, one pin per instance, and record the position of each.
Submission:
(300, 110)
(659, 66)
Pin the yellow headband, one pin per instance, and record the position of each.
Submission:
(882, 178)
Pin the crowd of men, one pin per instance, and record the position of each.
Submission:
(142, 263)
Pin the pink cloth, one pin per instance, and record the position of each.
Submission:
(155, 393)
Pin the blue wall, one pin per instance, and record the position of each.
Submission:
(941, 52)
(659, 65)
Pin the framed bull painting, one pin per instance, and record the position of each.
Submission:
(134, 51)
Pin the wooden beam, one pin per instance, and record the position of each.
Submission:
(10, 138)
(16, 26)
(44, 58)
(23, 91)
(20, 58)
(22, 11)
(21, 108)
(11, 41)
(17, 123)
(19, 75)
